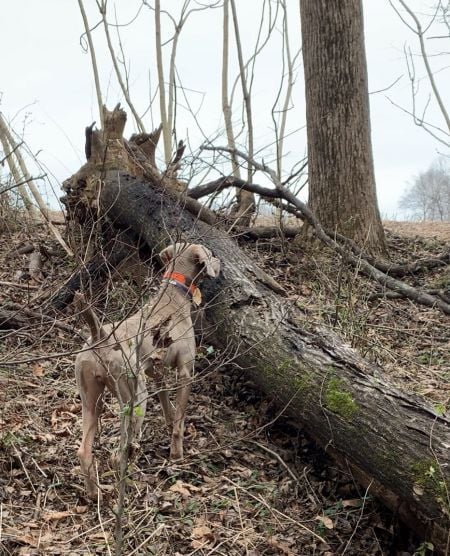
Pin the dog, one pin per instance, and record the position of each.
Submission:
(158, 337)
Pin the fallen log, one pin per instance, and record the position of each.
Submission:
(391, 439)
(267, 232)
(394, 443)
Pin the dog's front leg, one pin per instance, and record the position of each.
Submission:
(155, 371)
(132, 394)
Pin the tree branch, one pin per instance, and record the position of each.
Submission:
(358, 260)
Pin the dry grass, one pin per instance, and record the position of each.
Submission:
(427, 230)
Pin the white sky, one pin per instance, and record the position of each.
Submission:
(47, 86)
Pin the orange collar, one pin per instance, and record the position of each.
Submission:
(181, 280)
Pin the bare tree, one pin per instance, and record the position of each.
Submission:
(428, 198)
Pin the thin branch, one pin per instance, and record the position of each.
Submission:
(421, 123)
(382, 278)
(5, 132)
(126, 93)
(161, 84)
(20, 183)
(9, 150)
(93, 60)
(245, 93)
(287, 100)
(2, 161)
(386, 88)
(226, 107)
(420, 33)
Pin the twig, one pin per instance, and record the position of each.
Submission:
(19, 457)
(99, 515)
(420, 33)
(9, 150)
(21, 183)
(72, 539)
(21, 286)
(286, 517)
(240, 517)
(249, 200)
(147, 539)
(37, 508)
(37, 315)
(278, 457)
(161, 83)
(359, 518)
(37, 467)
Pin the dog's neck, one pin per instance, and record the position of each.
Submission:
(184, 284)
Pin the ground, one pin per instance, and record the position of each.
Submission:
(251, 483)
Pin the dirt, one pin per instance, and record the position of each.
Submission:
(251, 484)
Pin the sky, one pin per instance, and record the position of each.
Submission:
(48, 96)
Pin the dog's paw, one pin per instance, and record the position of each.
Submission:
(176, 455)
(94, 494)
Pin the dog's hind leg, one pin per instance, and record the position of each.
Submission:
(183, 391)
(91, 391)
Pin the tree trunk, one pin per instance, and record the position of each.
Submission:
(342, 190)
(392, 440)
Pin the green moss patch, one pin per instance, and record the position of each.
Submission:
(338, 400)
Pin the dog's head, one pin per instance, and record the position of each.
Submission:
(192, 260)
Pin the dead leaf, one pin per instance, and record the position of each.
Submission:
(105, 536)
(281, 546)
(198, 543)
(37, 369)
(55, 516)
(81, 509)
(184, 489)
(191, 430)
(327, 521)
(352, 503)
(418, 490)
(201, 536)
(28, 539)
(200, 531)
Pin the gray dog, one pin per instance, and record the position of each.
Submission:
(158, 337)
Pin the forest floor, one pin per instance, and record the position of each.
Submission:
(251, 484)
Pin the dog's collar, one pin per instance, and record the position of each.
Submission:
(179, 280)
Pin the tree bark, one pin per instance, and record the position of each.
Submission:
(391, 439)
(342, 191)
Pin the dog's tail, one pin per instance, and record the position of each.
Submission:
(91, 319)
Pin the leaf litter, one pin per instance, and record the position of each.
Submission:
(251, 483)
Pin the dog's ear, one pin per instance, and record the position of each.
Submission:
(205, 257)
(166, 255)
